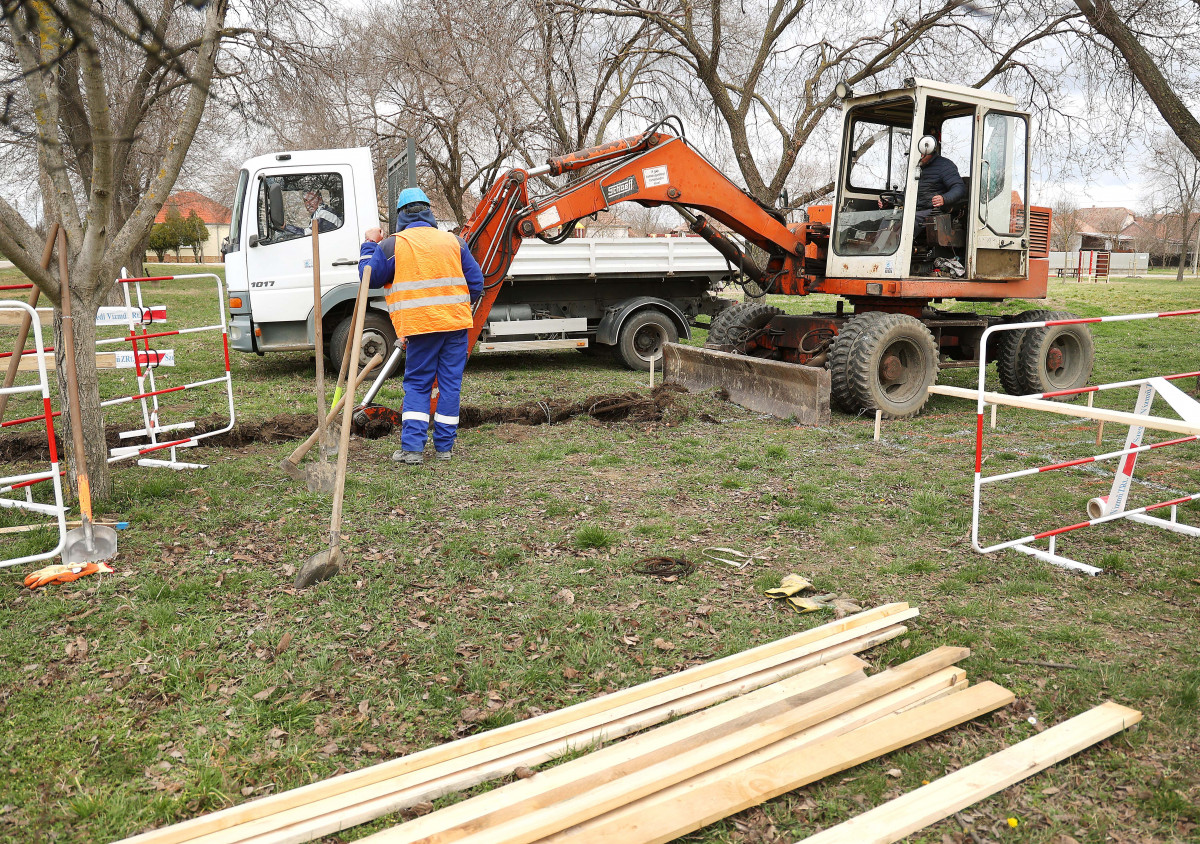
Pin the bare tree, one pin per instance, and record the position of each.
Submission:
(769, 73)
(1139, 30)
(1065, 223)
(1174, 175)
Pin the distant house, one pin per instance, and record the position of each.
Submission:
(1102, 229)
(215, 216)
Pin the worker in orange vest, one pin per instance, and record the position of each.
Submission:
(430, 280)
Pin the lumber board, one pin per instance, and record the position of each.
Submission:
(953, 792)
(322, 817)
(566, 781)
(569, 721)
(612, 826)
(1101, 414)
(628, 780)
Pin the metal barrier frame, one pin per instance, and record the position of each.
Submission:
(1113, 505)
(148, 398)
(26, 481)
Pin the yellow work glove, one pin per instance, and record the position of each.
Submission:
(791, 585)
(816, 602)
(64, 574)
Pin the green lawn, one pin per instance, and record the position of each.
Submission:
(196, 677)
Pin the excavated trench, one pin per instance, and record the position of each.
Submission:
(634, 407)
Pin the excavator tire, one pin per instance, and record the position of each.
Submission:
(716, 326)
(1008, 348)
(1057, 357)
(891, 364)
(839, 363)
(743, 320)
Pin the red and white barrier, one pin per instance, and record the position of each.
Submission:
(1111, 507)
(135, 316)
(146, 361)
(27, 481)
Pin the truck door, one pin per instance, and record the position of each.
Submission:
(1001, 213)
(287, 203)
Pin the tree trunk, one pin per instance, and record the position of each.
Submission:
(1105, 20)
(83, 313)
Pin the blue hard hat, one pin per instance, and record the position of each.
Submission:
(410, 195)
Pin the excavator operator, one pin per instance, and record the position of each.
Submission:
(939, 186)
(430, 280)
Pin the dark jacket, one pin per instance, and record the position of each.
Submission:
(940, 176)
(381, 256)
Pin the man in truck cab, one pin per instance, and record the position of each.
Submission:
(430, 280)
(322, 215)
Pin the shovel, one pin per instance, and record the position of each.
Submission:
(325, 564)
(320, 477)
(88, 543)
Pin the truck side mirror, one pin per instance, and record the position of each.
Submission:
(275, 206)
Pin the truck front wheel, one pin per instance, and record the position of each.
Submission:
(642, 337)
(378, 338)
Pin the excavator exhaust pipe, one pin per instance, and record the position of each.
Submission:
(768, 386)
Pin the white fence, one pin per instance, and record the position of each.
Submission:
(1120, 263)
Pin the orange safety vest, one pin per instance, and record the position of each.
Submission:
(428, 292)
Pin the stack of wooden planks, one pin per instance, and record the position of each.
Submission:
(309, 812)
(756, 724)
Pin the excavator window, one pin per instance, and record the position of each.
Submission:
(1004, 189)
(870, 213)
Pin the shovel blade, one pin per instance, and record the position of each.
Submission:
(79, 549)
(768, 386)
(320, 477)
(320, 566)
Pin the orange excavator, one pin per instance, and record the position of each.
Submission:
(870, 248)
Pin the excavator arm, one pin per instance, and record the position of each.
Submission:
(652, 169)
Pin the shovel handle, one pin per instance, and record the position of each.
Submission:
(79, 458)
(339, 482)
(318, 329)
(306, 446)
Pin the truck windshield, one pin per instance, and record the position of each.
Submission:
(308, 199)
(233, 242)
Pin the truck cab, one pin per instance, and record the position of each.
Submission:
(269, 263)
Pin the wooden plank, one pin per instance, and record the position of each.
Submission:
(724, 791)
(322, 817)
(660, 813)
(10, 318)
(628, 780)
(953, 792)
(1101, 414)
(535, 731)
(649, 748)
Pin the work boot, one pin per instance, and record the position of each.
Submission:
(409, 458)
(445, 456)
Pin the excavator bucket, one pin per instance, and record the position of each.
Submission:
(768, 386)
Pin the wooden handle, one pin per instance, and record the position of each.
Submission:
(318, 330)
(339, 489)
(79, 458)
(306, 446)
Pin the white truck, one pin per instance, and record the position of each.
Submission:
(633, 294)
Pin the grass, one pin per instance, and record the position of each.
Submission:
(482, 591)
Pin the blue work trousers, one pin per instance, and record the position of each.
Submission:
(441, 355)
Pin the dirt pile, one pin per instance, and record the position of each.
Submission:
(658, 405)
(633, 406)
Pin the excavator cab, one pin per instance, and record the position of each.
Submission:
(881, 231)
